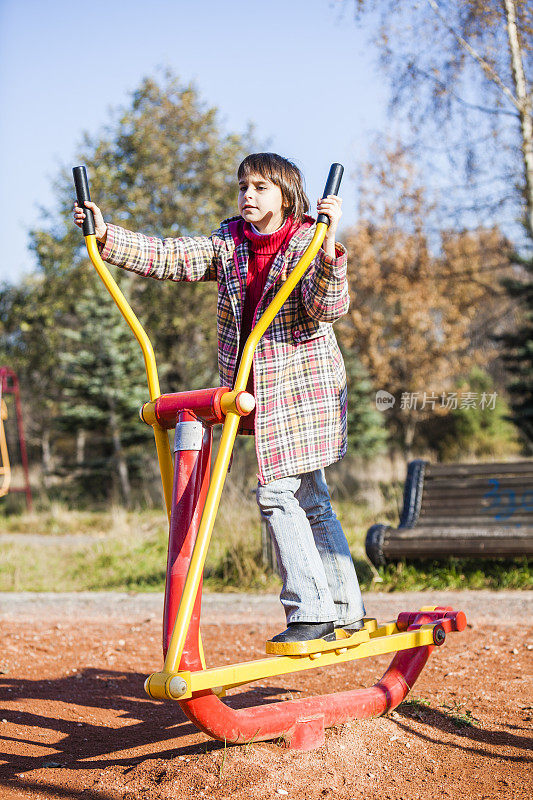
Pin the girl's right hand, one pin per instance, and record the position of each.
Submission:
(99, 225)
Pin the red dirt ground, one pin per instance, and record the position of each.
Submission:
(75, 722)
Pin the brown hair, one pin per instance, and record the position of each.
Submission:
(284, 174)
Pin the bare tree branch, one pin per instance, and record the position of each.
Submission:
(459, 99)
(489, 71)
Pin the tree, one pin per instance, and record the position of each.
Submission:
(518, 354)
(165, 168)
(32, 338)
(481, 430)
(367, 435)
(162, 166)
(462, 73)
(413, 314)
(103, 388)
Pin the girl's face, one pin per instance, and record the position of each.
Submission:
(261, 203)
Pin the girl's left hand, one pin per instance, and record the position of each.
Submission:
(330, 205)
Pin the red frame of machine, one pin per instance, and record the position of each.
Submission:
(299, 722)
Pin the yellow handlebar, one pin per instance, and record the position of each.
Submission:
(229, 432)
(129, 316)
(161, 436)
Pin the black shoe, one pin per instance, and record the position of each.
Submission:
(306, 632)
(353, 627)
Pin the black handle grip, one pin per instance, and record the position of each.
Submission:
(332, 187)
(82, 194)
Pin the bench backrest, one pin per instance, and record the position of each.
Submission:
(468, 494)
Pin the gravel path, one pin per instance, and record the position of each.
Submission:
(511, 608)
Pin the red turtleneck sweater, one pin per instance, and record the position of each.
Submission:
(263, 248)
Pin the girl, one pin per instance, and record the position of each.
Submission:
(298, 378)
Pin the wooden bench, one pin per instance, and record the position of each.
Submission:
(465, 510)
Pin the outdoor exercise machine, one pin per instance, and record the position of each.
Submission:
(9, 386)
(192, 501)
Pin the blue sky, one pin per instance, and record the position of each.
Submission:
(300, 70)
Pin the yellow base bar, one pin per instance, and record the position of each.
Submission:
(385, 639)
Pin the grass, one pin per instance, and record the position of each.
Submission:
(460, 716)
(221, 768)
(456, 712)
(456, 573)
(126, 551)
(416, 703)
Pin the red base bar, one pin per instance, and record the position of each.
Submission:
(282, 719)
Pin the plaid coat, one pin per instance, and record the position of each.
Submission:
(299, 376)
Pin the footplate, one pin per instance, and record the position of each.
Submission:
(313, 646)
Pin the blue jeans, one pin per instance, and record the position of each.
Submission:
(319, 580)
